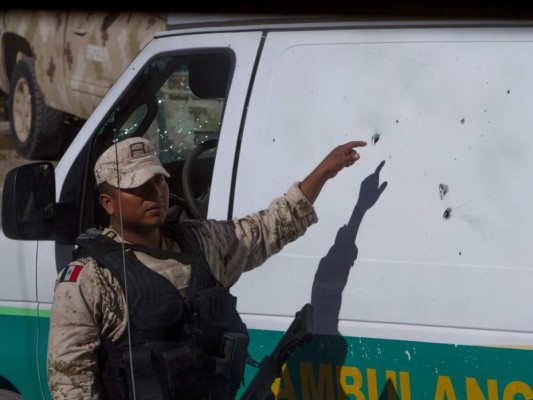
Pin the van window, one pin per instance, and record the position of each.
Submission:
(177, 103)
(179, 119)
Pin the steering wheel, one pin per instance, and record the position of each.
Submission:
(196, 205)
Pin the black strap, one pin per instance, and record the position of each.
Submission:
(189, 243)
(100, 244)
(168, 254)
(185, 238)
(147, 383)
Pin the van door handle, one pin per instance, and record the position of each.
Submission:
(80, 32)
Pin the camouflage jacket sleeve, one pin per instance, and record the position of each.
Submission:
(242, 244)
(78, 318)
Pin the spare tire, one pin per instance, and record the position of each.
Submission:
(36, 129)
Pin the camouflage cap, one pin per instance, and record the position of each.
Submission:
(136, 161)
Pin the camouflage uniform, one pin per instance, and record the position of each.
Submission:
(89, 303)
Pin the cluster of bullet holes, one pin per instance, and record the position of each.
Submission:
(443, 191)
(443, 188)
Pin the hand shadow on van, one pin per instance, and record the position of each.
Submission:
(333, 270)
(331, 277)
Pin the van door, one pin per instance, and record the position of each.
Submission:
(184, 95)
(421, 261)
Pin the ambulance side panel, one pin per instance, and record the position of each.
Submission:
(421, 258)
(419, 268)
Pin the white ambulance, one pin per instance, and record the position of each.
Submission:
(420, 269)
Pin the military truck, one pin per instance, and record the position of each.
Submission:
(56, 66)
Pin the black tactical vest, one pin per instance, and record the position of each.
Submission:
(192, 348)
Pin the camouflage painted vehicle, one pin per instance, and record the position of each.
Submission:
(56, 66)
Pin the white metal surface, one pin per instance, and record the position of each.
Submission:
(451, 107)
(17, 271)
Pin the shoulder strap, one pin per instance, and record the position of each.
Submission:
(185, 238)
(188, 242)
(91, 244)
(102, 247)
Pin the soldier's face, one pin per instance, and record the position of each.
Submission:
(143, 207)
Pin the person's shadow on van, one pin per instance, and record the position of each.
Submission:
(330, 280)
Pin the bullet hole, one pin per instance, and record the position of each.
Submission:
(397, 121)
(274, 139)
(375, 138)
(443, 190)
(447, 213)
(460, 253)
(508, 91)
(462, 121)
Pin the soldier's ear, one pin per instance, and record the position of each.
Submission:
(106, 201)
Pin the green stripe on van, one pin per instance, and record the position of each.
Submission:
(18, 311)
(23, 312)
(336, 367)
(18, 361)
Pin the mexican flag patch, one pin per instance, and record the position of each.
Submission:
(70, 274)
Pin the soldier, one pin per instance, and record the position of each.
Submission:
(120, 331)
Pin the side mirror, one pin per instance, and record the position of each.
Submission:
(28, 202)
(209, 75)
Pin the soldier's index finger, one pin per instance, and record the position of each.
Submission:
(357, 143)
